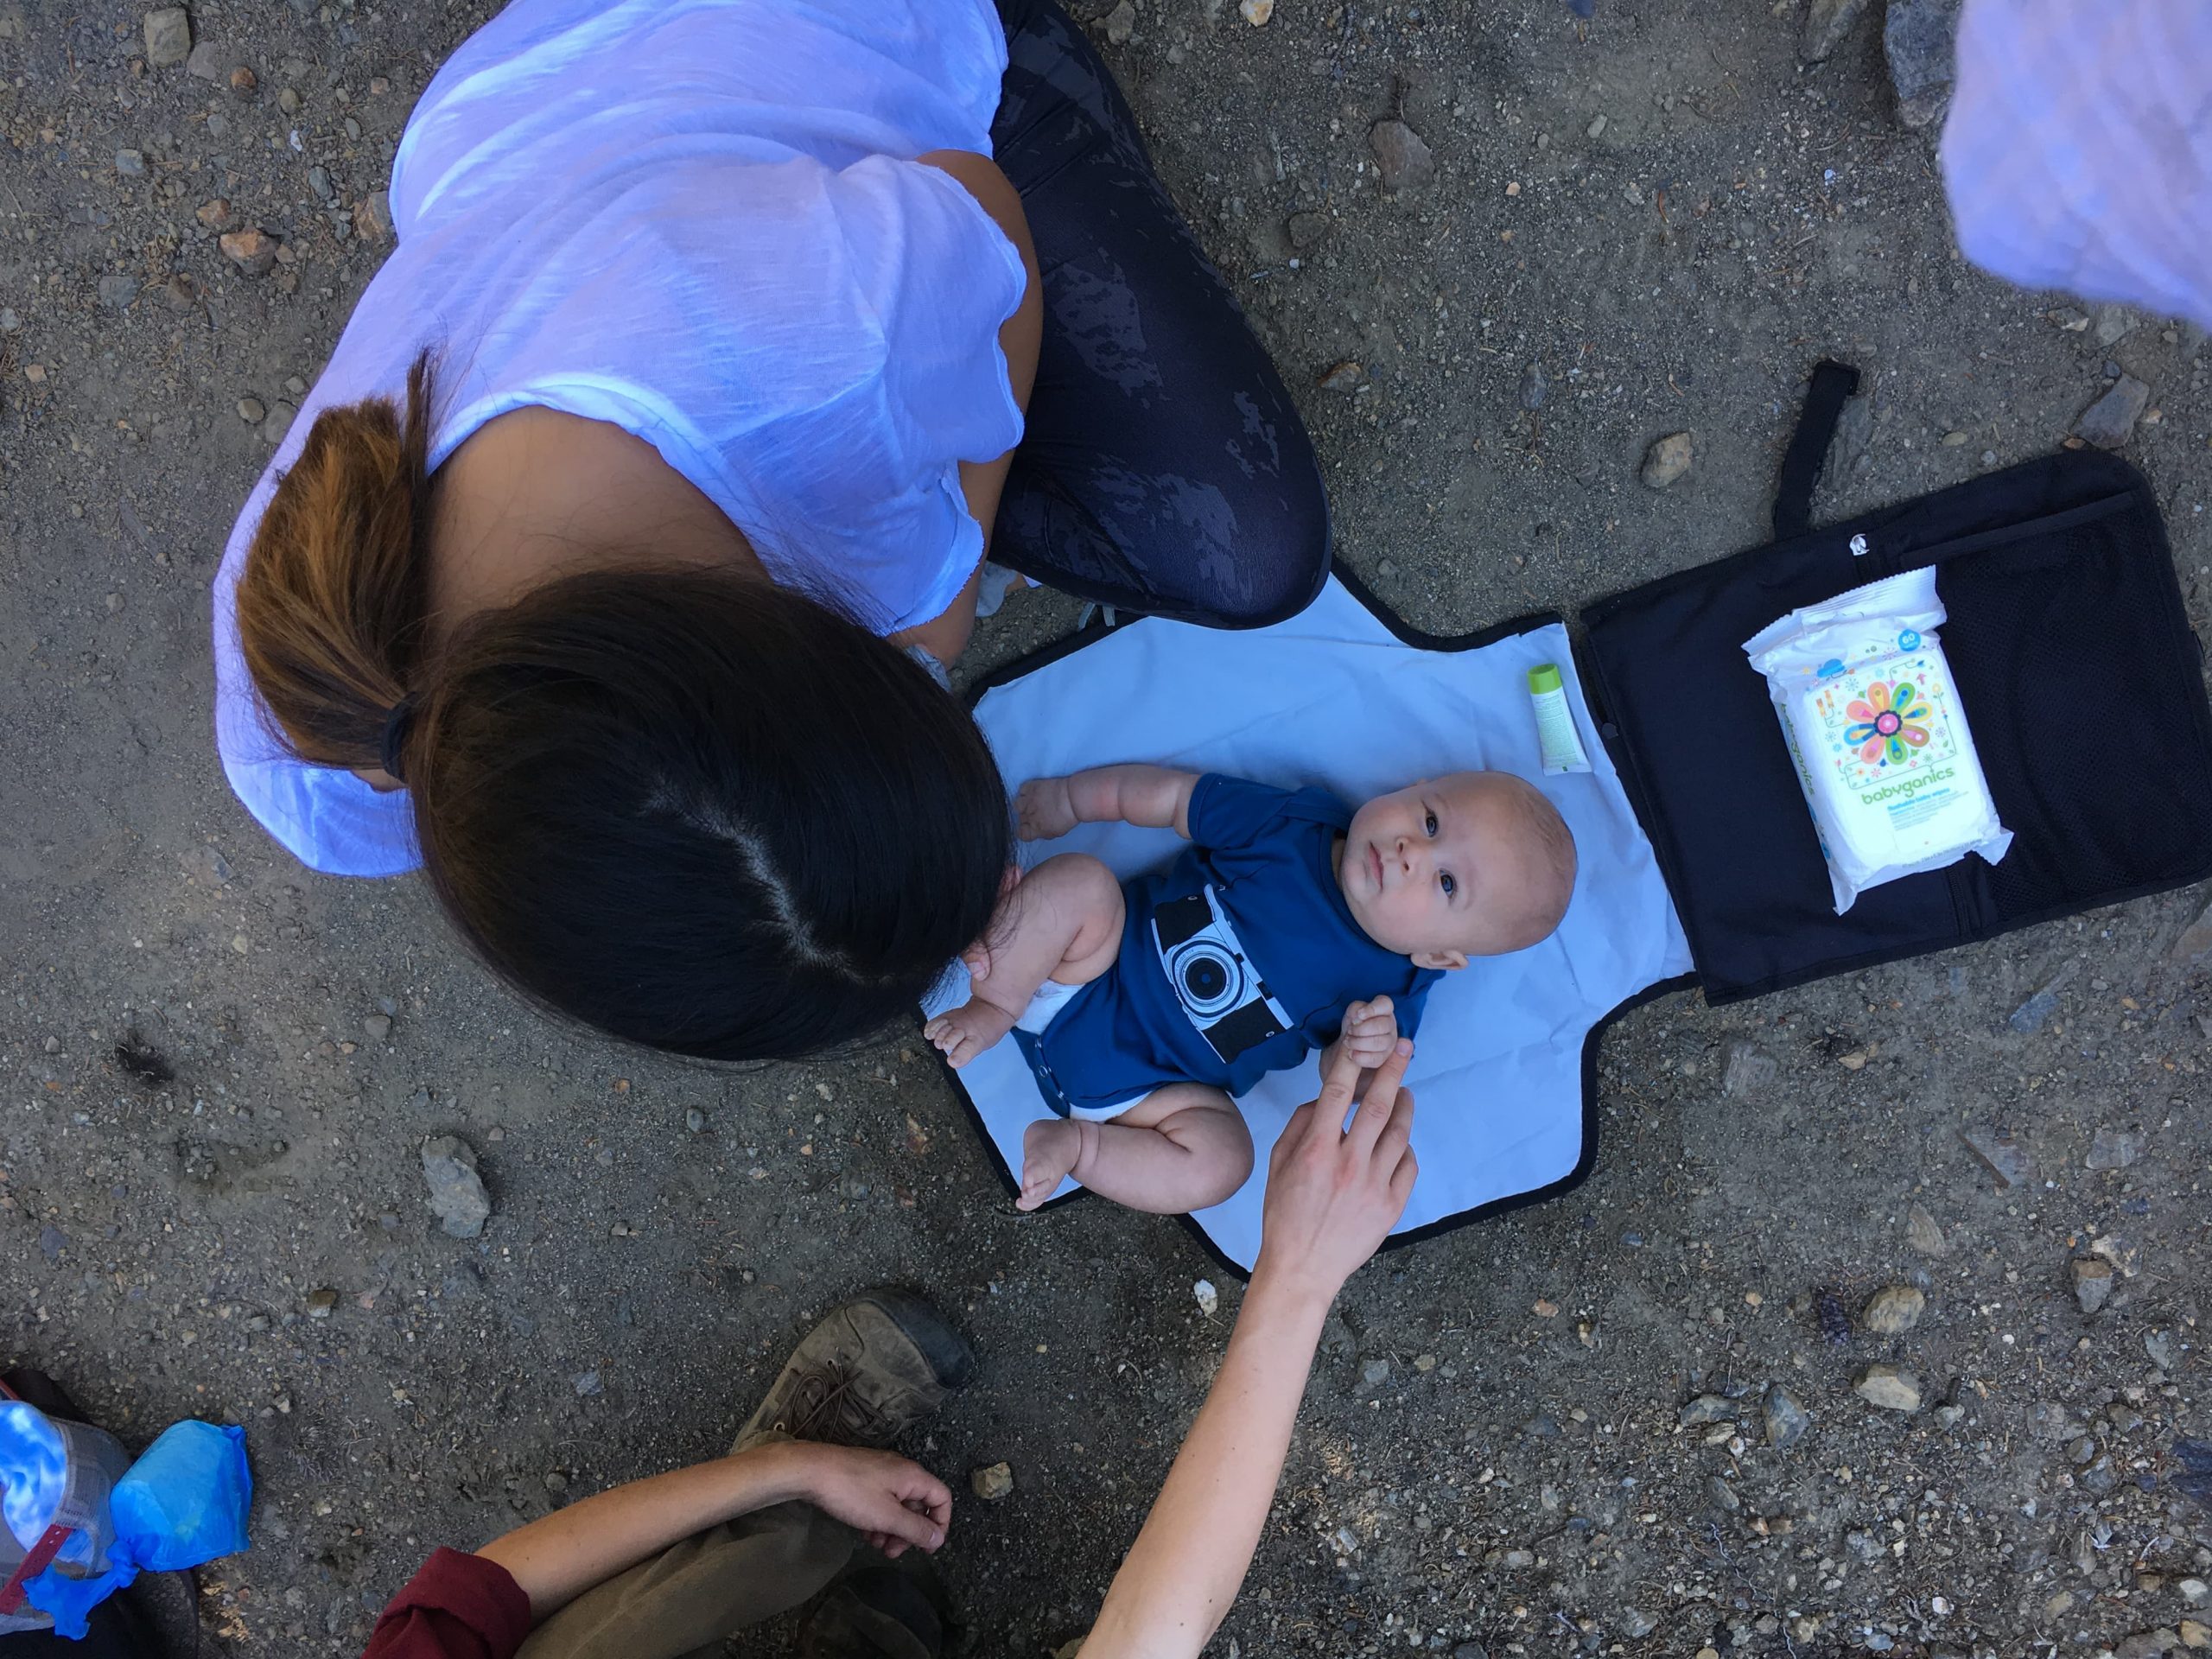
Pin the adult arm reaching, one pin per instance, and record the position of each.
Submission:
(1333, 1194)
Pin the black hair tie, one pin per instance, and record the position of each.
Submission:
(396, 726)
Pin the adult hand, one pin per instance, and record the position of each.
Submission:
(889, 1500)
(1334, 1192)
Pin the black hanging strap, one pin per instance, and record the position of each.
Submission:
(1809, 448)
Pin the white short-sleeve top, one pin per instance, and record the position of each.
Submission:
(701, 221)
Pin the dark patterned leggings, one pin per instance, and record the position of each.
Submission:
(1164, 469)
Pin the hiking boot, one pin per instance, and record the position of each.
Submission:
(865, 1374)
(881, 1611)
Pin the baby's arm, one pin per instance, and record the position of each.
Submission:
(1152, 798)
(1369, 1035)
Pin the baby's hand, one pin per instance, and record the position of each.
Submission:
(1042, 811)
(1370, 1032)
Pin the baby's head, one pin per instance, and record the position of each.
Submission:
(1473, 864)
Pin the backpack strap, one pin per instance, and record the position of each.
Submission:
(1808, 447)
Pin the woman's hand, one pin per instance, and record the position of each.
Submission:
(1042, 809)
(1333, 1193)
(889, 1500)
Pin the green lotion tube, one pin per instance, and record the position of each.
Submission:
(1555, 732)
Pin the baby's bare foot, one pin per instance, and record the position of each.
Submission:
(968, 1030)
(1050, 1148)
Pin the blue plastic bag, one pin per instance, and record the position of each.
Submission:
(184, 1502)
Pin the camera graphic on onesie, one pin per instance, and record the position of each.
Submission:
(1220, 989)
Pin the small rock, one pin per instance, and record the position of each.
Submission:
(2114, 323)
(1596, 129)
(216, 214)
(1722, 1495)
(2081, 1450)
(131, 164)
(1405, 161)
(2113, 1149)
(1120, 23)
(206, 62)
(2195, 1635)
(244, 81)
(1750, 1069)
(251, 410)
(321, 1304)
(319, 182)
(1827, 22)
(1854, 434)
(1206, 1296)
(1892, 1312)
(288, 101)
(2194, 1593)
(117, 289)
(1346, 376)
(2160, 1347)
(1533, 387)
(2066, 317)
(586, 1384)
(1707, 1409)
(1374, 1372)
(2195, 939)
(992, 1484)
(457, 1194)
(1635, 1623)
(2001, 1155)
(1256, 12)
(2108, 422)
(1924, 1233)
(695, 1120)
(1306, 229)
(1786, 1421)
(2092, 1283)
(2099, 1477)
(372, 216)
(379, 1027)
(252, 250)
(273, 429)
(1863, 1547)
(1889, 1387)
(169, 36)
(1666, 460)
(2029, 1017)
(11, 321)
(1918, 37)
(2146, 1644)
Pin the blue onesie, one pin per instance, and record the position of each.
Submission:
(1237, 960)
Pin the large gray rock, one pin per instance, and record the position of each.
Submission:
(169, 36)
(1920, 39)
(457, 1196)
(2108, 422)
(1827, 22)
(1401, 156)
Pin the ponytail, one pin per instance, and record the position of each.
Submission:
(333, 600)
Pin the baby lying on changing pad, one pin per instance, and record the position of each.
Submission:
(1289, 925)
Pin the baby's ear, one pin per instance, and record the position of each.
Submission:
(1444, 959)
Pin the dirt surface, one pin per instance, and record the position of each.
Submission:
(1492, 1456)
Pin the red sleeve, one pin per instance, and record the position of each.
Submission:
(457, 1607)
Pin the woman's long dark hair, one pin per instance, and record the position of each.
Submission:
(693, 809)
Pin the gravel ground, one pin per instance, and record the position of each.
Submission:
(1546, 1433)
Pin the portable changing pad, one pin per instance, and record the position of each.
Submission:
(1344, 696)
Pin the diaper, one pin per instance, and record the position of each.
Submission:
(1051, 996)
(1880, 743)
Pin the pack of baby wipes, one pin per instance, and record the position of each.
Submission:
(1881, 745)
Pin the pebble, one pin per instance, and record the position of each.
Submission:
(1206, 1296)
(1786, 1421)
(253, 251)
(1256, 12)
(252, 411)
(319, 182)
(2160, 1347)
(2194, 1591)
(1722, 1495)
(169, 36)
(273, 429)
(2099, 1477)
(288, 101)
(1863, 1547)
(992, 1484)
(586, 1384)
(378, 1026)
(457, 1196)
(1402, 157)
(1666, 460)
(2195, 1635)
(372, 216)
(2028, 1019)
(1120, 23)
(1750, 1069)
(1827, 22)
(1918, 38)
(2001, 1155)
(321, 1304)
(1893, 1311)
(2114, 324)
(206, 61)
(1923, 1232)
(1346, 376)
(2146, 1644)
(117, 289)
(1375, 1372)
(1887, 1387)
(1534, 387)
(1596, 129)
(244, 81)
(2108, 422)
(1307, 228)
(2093, 1281)
(2113, 1149)
(695, 1120)
(2083, 1449)
(131, 164)
(10, 321)
(1955, 440)
(1707, 1409)
(1635, 1623)
(215, 215)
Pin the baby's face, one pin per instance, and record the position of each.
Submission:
(1427, 869)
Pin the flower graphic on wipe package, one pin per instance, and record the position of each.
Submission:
(1881, 724)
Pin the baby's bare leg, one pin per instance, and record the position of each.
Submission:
(1063, 921)
(1180, 1148)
